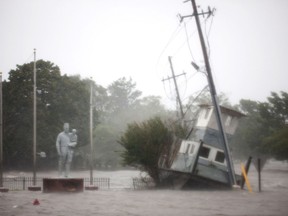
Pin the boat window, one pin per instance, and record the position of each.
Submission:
(220, 157)
(204, 152)
(228, 121)
(187, 148)
(192, 149)
(207, 111)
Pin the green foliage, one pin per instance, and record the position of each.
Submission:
(62, 98)
(59, 99)
(122, 94)
(275, 115)
(123, 105)
(277, 144)
(247, 139)
(263, 131)
(106, 147)
(144, 144)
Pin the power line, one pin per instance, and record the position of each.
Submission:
(188, 44)
(173, 36)
(207, 34)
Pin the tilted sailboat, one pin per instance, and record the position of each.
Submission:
(205, 155)
(201, 157)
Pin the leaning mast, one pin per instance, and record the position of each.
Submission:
(214, 95)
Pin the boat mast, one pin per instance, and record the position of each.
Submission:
(214, 97)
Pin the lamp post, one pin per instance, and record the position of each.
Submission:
(34, 187)
(2, 188)
(34, 119)
(91, 186)
(91, 134)
(1, 137)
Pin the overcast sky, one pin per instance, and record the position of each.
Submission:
(107, 40)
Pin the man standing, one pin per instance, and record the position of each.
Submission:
(64, 150)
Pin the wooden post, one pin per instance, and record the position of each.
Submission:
(246, 178)
(259, 173)
(247, 166)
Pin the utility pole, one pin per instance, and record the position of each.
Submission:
(1, 134)
(213, 93)
(176, 87)
(34, 187)
(91, 133)
(91, 186)
(34, 120)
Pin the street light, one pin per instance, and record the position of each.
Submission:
(91, 134)
(1, 137)
(34, 120)
(91, 186)
(2, 189)
(34, 187)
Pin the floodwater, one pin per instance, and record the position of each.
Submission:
(122, 200)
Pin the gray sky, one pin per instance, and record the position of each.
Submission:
(106, 40)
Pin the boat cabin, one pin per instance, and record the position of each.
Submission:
(202, 154)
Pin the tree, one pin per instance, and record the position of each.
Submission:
(250, 132)
(144, 144)
(106, 147)
(263, 131)
(123, 107)
(59, 99)
(275, 115)
(18, 108)
(122, 94)
(277, 144)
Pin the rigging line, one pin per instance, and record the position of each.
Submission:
(190, 77)
(212, 19)
(170, 90)
(187, 80)
(165, 90)
(201, 92)
(188, 107)
(170, 98)
(207, 40)
(174, 34)
(190, 36)
(186, 85)
(188, 44)
(208, 34)
(182, 45)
